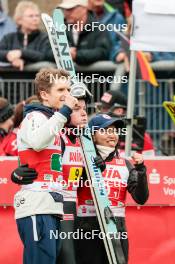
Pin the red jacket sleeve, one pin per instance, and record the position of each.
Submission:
(8, 146)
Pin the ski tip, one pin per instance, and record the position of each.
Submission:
(45, 16)
(58, 12)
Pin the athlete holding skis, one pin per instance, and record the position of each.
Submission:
(72, 168)
(39, 205)
(120, 177)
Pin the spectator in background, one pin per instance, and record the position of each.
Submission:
(28, 44)
(123, 6)
(159, 56)
(6, 118)
(115, 103)
(8, 146)
(117, 21)
(87, 44)
(6, 24)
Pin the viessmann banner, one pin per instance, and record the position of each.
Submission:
(160, 171)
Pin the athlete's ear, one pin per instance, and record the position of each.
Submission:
(44, 95)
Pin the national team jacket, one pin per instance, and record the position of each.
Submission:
(120, 176)
(39, 147)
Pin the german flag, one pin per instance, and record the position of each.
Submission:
(146, 72)
(144, 69)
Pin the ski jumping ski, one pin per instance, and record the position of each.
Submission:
(61, 52)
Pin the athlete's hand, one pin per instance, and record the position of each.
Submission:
(70, 101)
(24, 175)
(137, 158)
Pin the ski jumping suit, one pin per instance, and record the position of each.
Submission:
(120, 176)
(72, 165)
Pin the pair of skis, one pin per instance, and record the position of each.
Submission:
(58, 40)
(60, 47)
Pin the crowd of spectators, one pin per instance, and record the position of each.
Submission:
(10, 120)
(22, 42)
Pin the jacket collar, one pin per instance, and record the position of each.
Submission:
(48, 111)
(31, 36)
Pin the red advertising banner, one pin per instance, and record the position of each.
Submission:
(150, 228)
(151, 235)
(7, 187)
(160, 171)
(161, 180)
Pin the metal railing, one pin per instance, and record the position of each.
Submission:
(159, 123)
(16, 90)
(148, 103)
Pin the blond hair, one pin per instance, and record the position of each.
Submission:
(21, 7)
(43, 79)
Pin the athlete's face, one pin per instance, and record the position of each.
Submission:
(79, 116)
(106, 137)
(56, 96)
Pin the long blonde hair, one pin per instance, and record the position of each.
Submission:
(21, 7)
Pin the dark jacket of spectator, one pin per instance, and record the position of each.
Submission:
(35, 51)
(117, 20)
(92, 46)
(6, 25)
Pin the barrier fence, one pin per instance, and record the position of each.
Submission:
(161, 181)
(150, 228)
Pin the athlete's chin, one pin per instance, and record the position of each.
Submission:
(111, 144)
(60, 104)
